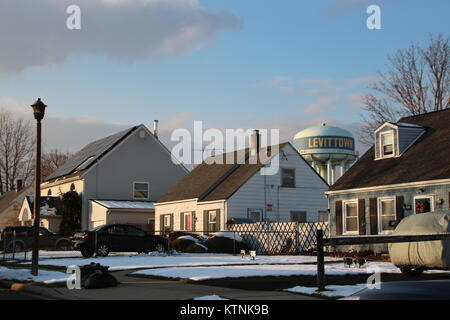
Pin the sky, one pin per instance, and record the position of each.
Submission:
(232, 64)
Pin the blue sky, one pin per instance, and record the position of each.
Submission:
(286, 64)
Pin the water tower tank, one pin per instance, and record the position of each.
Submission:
(327, 148)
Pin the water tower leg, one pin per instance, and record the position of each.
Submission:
(342, 168)
(329, 169)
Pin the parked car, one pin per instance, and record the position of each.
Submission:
(406, 290)
(413, 258)
(24, 239)
(117, 238)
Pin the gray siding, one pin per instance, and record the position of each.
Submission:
(407, 136)
(309, 194)
(136, 159)
(439, 192)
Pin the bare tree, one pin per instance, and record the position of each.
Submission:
(16, 151)
(52, 160)
(418, 81)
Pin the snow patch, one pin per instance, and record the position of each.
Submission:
(332, 291)
(212, 297)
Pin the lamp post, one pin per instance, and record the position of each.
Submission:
(38, 111)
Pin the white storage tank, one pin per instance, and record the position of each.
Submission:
(327, 149)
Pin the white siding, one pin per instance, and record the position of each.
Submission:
(309, 194)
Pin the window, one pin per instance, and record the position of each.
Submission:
(212, 217)
(387, 144)
(135, 232)
(141, 190)
(387, 217)
(298, 216)
(288, 178)
(350, 216)
(423, 204)
(324, 216)
(254, 214)
(167, 223)
(116, 231)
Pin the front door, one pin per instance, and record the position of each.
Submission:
(188, 222)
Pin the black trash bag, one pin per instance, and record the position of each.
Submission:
(96, 276)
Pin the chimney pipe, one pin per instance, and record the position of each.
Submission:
(19, 185)
(255, 142)
(155, 128)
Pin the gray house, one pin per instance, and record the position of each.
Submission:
(406, 172)
(119, 178)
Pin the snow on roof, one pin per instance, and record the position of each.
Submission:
(117, 204)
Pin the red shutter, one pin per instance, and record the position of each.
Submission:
(362, 216)
(399, 202)
(338, 212)
(373, 212)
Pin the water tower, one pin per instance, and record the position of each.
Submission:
(327, 149)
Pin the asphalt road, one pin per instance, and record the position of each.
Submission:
(8, 295)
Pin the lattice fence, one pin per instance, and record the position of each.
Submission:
(273, 238)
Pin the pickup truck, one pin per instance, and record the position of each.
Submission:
(24, 239)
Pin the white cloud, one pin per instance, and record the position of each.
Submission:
(34, 32)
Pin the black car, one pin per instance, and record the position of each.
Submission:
(406, 290)
(24, 239)
(117, 238)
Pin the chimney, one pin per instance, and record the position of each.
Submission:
(155, 128)
(19, 185)
(255, 143)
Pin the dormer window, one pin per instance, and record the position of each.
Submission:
(387, 144)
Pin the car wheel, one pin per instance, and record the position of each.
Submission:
(412, 272)
(87, 253)
(160, 247)
(103, 250)
(63, 246)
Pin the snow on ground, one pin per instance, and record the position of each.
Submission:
(135, 261)
(45, 276)
(332, 290)
(212, 297)
(205, 273)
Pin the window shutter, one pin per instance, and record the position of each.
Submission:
(399, 202)
(362, 216)
(161, 224)
(205, 221)
(338, 212)
(218, 225)
(171, 222)
(193, 221)
(181, 221)
(373, 212)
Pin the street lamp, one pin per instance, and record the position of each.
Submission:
(38, 111)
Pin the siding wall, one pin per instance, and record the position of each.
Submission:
(407, 136)
(177, 208)
(136, 159)
(439, 192)
(308, 195)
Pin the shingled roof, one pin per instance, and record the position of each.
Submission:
(209, 182)
(87, 156)
(427, 159)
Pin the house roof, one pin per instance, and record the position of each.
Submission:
(130, 205)
(87, 156)
(8, 198)
(209, 182)
(52, 202)
(427, 159)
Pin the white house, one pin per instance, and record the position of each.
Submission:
(213, 194)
